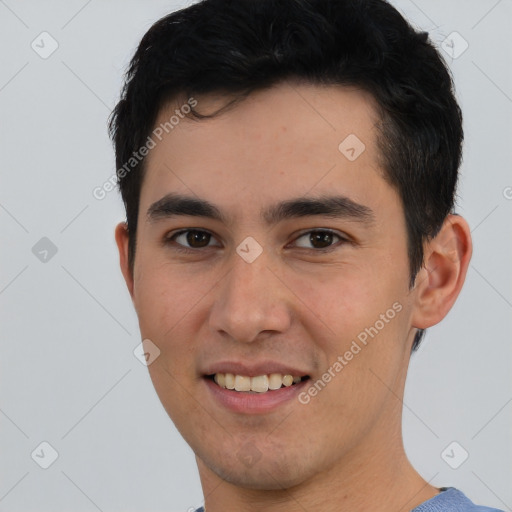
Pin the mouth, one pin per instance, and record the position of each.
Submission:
(260, 384)
(258, 387)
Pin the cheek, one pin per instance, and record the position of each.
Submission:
(346, 299)
(165, 295)
(363, 313)
(169, 305)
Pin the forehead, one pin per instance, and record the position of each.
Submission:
(288, 140)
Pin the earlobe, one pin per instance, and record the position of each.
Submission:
(440, 280)
(122, 238)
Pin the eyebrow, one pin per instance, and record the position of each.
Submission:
(327, 206)
(173, 205)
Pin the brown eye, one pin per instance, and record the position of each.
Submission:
(198, 238)
(321, 239)
(318, 239)
(193, 239)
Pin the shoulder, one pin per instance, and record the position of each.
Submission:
(448, 500)
(452, 500)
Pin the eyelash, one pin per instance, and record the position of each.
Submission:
(170, 240)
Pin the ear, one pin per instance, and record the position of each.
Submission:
(122, 238)
(438, 283)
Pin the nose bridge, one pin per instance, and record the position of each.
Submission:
(248, 301)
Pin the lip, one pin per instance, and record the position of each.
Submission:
(254, 403)
(253, 369)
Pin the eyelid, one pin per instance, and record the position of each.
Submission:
(170, 238)
(344, 238)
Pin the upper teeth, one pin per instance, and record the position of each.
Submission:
(260, 384)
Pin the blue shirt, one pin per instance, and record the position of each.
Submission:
(451, 500)
(448, 500)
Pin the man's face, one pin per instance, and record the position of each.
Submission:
(332, 279)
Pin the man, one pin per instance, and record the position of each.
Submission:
(288, 171)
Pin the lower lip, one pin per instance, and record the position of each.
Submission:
(254, 403)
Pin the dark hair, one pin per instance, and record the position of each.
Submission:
(239, 46)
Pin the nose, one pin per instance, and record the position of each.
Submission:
(250, 301)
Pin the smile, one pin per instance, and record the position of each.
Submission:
(257, 384)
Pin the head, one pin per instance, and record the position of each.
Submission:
(251, 46)
(243, 108)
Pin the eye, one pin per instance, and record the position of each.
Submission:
(193, 239)
(318, 239)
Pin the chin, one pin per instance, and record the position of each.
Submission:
(259, 479)
(265, 473)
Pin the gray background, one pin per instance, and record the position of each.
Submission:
(68, 330)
